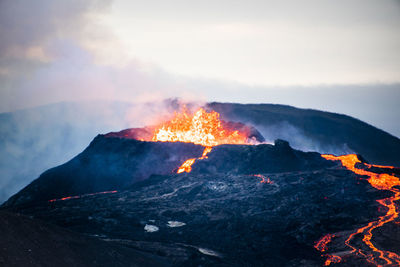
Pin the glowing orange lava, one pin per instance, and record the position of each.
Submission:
(264, 179)
(332, 259)
(84, 195)
(202, 127)
(322, 244)
(186, 166)
(381, 182)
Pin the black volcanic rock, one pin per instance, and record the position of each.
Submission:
(226, 219)
(107, 164)
(264, 158)
(112, 163)
(29, 242)
(243, 205)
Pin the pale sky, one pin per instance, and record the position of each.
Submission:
(260, 42)
(340, 56)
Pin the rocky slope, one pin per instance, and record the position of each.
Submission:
(113, 163)
(228, 219)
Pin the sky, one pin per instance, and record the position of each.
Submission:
(339, 56)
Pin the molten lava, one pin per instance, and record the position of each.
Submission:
(202, 127)
(84, 195)
(264, 179)
(186, 166)
(322, 244)
(381, 182)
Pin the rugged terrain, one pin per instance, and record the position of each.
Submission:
(243, 205)
(211, 192)
(30, 242)
(113, 163)
(36, 139)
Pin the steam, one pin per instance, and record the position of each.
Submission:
(34, 140)
(53, 52)
(299, 140)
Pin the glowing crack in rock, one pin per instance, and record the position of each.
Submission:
(264, 179)
(321, 244)
(84, 195)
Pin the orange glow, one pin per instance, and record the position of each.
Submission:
(332, 259)
(205, 152)
(202, 128)
(84, 195)
(186, 166)
(381, 182)
(264, 179)
(321, 244)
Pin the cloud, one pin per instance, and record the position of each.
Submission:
(55, 51)
(31, 34)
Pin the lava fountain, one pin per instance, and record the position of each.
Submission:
(201, 127)
(380, 181)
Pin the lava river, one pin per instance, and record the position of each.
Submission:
(380, 181)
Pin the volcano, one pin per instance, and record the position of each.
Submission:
(198, 190)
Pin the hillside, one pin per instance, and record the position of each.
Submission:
(316, 130)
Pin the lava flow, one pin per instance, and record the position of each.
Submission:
(202, 127)
(84, 195)
(379, 181)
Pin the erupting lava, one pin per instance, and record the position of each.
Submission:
(381, 182)
(202, 127)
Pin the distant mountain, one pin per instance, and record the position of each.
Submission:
(314, 130)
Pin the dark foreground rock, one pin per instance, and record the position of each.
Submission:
(227, 219)
(29, 242)
(244, 205)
